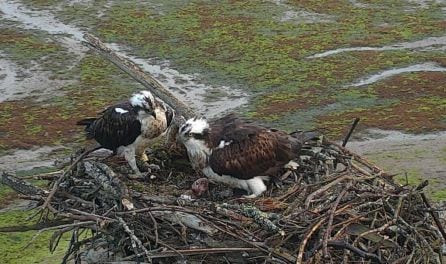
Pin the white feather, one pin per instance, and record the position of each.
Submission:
(148, 94)
(198, 125)
(226, 179)
(254, 186)
(224, 144)
(139, 99)
(120, 110)
(197, 152)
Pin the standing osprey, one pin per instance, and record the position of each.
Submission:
(239, 153)
(127, 128)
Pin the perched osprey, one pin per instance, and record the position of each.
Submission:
(239, 153)
(126, 128)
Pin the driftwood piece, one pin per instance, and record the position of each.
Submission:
(186, 219)
(139, 75)
(21, 186)
(109, 182)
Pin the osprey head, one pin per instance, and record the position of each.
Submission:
(144, 100)
(194, 128)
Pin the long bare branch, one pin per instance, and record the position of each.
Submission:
(139, 75)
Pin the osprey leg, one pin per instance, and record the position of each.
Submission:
(256, 187)
(130, 156)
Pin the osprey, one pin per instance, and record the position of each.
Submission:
(239, 153)
(127, 128)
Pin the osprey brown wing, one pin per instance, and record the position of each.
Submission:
(251, 153)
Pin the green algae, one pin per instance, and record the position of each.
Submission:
(41, 4)
(28, 48)
(439, 195)
(249, 45)
(232, 44)
(410, 177)
(14, 246)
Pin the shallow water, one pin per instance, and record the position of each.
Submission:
(18, 83)
(423, 67)
(23, 160)
(187, 86)
(430, 43)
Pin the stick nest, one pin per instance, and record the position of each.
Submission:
(336, 207)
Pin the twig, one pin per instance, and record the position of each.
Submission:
(261, 218)
(30, 197)
(36, 226)
(62, 177)
(73, 225)
(434, 216)
(45, 176)
(201, 251)
(101, 217)
(134, 239)
(19, 185)
(325, 188)
(361, 253)
(75, 198)
(353, 126)
(155, 226)
(360, 159)
(261, 247)
(301, 251)
(330, 220)
(86, 217)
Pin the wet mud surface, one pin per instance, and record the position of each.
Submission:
(413, 158)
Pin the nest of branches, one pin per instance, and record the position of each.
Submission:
(335, 207)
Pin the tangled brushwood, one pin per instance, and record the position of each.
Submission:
(336, 207)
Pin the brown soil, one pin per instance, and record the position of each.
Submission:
(29, 124)
(411, 115)
(425, 84)
(301, 101)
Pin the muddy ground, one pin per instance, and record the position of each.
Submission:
(288, 64)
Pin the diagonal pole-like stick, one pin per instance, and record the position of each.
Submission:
(139, 75)
(347, 137)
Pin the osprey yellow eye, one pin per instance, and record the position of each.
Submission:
(190, 134)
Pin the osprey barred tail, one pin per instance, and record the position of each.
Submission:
(240, 153)
(126, 128)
